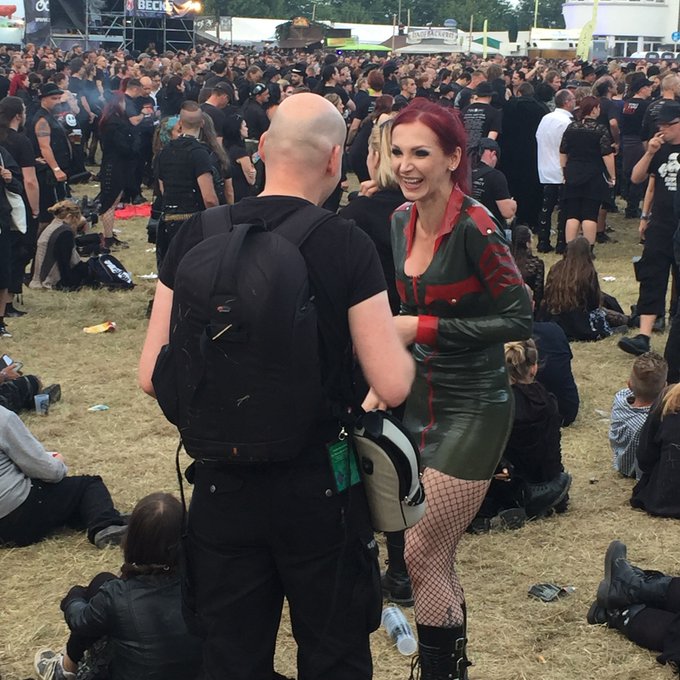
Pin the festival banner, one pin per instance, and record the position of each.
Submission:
(162, 8)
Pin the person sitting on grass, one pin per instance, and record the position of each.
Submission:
(36, 496)
(530, 480)
(57, 263)
(17, 391)
(641, 604)
(130, 627)
(573, 299)
(631, 407)
(658, 458)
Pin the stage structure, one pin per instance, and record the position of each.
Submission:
(116, 24)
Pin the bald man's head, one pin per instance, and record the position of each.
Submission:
(304, 132)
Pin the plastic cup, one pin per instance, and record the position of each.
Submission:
(42, 404)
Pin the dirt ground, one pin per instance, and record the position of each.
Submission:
(512, 637)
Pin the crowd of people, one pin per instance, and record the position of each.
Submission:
(430, 273)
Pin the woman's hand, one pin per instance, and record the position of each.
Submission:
(372, 402)
(6, 175)
(407, 327)
(368, 188)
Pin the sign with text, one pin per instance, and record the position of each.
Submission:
(162, 8)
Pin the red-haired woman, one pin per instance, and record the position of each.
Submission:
(462, 298)
(119, 150)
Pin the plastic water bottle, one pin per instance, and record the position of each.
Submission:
(397, 627)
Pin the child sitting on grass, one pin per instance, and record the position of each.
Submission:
(530, 481)
(631, 407)
(131, 626)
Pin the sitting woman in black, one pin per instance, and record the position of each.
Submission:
(573, 298)
(658, 457)
(530, 480)
(57, 263)
(530, 266)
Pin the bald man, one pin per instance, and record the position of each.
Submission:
(185, 178)
(259, 533)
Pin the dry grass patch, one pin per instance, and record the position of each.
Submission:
(132, 447)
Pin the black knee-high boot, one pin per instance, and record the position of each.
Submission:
(441, 653)
(396, 584)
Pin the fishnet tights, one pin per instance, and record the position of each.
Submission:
(431, 547)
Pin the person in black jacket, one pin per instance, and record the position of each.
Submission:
(658, 456)
(119, 147)
(530, 479)
(134, 620)
(643, 605)
(171, 96)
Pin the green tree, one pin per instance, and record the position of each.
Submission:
(549, 14)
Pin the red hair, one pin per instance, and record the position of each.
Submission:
(18, 83)
(447, 126)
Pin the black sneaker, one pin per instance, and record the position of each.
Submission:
(4, 333)
(111, 535)
(139, 200)
(396, 587)
(658, 327)
(560, 248)
(544, 247)
(53, 392)
(637, 345)
(114, 244)
(603, 237)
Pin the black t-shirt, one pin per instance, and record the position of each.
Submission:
(649, 125)
(21, 148)
(608, 112)
(632, 116)
(480, 119)
(336, 89)
(488, 186)
(218, 118)
(664, 167)
(343, 266)
(238, 179)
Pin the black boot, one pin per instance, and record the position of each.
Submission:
(396, 584)
(441, 654)
(541, 498)
(625, 585)
(616, 618)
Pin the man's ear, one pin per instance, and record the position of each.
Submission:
(260, 146)
(334, 161)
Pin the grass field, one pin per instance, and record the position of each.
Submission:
(512, 637)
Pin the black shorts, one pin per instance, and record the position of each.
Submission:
(652, 272)
(581, 208)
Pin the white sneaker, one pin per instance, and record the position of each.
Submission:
(49, 665)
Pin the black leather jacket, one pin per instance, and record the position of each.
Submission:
(142, 618)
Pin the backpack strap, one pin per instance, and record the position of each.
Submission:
(216, 220)
(302, 223)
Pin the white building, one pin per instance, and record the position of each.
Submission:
(626, 26)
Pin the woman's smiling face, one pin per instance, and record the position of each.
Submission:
(420, 164)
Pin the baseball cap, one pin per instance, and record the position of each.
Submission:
(486, 143)
(669, 112)
(222, 88)
(259, 88)
(638, 83)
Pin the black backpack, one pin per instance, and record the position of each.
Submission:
(110, 272)
(240, 376)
